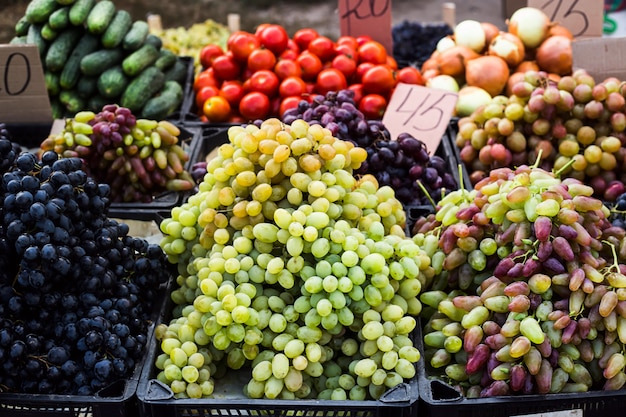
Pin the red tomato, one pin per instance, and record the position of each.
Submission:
(345, 49)
(349, 41)
(304, 36)
(216, 109)
(410, 75)
(358, 92)
(372, 51)
(264, 81)
(323, 47)
(289, 54)
(287, 68)
(235, 118)
(259, 28)
(311, 65)
(226, 68)
(275, 107)
(204, 78)
(274, 37)
(292, 46)
(330, 79)
(232, 91)
(204, 94)
(208, 53)
(261, 59)
(360, 40)
(391, 62)
(254, 105)
(345, 64)
(287, 103)
(373, 106)
(361, 69)
(292, 86)
(379, 79)
(242, 45)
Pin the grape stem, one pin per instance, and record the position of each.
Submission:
(536, 164)
(615, 263)
(564, 168)
(432, 202)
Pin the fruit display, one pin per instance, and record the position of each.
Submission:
(262, 74)
(94, 54)
(414, 42)
(77, 292)
(292, 271)
(575, 125)
(527, 296)
(137, 158)
(190, 41)
(480, 61)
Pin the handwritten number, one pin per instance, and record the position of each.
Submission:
(570, 11)
(7, 70)
(373, 9)
(434, 107)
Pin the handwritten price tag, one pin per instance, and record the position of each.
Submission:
(367, 17)
(421, 111)
(584, 18)
(23, 93)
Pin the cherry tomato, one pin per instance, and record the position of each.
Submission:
(287, 68)
(232, 91)
(204, 94)
(410, 75)
(304, 36)
(379, 79)
(208, 53)
(254, 105)
(261, 59)
(287, 103)
(310, 64)
(373, 106)
(242, 45)
(361, 69)
(344, 64)
(372, 51)
(323, 47)
(292, 86)
(330, 79)
(216, 109)
(204, 78)
(264, 81)
(274, 37)
(225, 67)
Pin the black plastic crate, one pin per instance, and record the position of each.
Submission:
(413, 214)
(29, 135)
(450, 137)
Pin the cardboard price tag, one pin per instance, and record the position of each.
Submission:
(23, 93)
(367, 17)
(420, 111)
(584, 18)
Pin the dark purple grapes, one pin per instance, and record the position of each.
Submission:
(414, 42)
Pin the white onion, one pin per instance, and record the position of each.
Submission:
(470, 99)
(443, 82)
(530, 25)
(445, 43)
(470, 33)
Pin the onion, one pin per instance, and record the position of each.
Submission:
(443, 82)
(513, 79)
(471, 98)
(554, 55)
(527, 66)
(530, 25)
(470, 33)
(452, 61)
(432, 62)
(488, 72)
(430, 73)
(558, 29)
(508, 47)
(444, 43)
(491, 31)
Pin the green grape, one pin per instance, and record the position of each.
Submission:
(172, 373)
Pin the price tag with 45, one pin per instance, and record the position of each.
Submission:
(420, 111)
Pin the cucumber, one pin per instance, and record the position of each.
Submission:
(71, 71)
(118, 28)
(139, 60)
(60, 18)
(178, 72)
(165, 60)
(58, 109)
(48, 33)
(72, 101)
(61, 48)
(97, 62)
(142, 88)
(52, 83)
(80, 10)
(38, 11)
(18, 40)
(86, 86)
(136, 35)
(113, 82)
(154, 40)
(164, 104)
(34, 37)
(100, 16)
(96, 102)
(21, 27)
(66, 2)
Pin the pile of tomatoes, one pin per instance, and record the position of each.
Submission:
(264, 73)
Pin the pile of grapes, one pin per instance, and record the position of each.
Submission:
(291, 270)
(528, 293)
(76, 291)
(138, 158)
(575, 119)
(414, 42)
(404, 164)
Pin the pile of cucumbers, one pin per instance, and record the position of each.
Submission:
(94, 54)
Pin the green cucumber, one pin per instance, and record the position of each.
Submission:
(139, 60)
(165, 103)
(52, 83)
(96, 102)
(178, 72)
(18, 40)
(34, 37)
(38, 11)
(154, 40)
(71, 71)
(61, 48)
(142, 88)
(136, 35)
(21, 27)
(100, 17)
(72, 101)
(60, 19)
(97, 62)
(48, 33)
(165, 60)
(118, 28)
(80, 10)
(113, 82)
(87, 86)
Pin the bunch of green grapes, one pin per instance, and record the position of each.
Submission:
(292, 269)
(529, 293)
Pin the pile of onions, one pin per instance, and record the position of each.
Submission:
(488, 72)
(531, 25)
(452, 61)
(508, 47)
(470, 33)
(554, 55)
